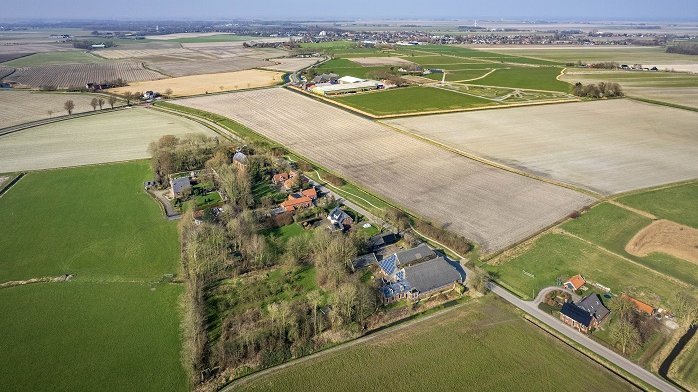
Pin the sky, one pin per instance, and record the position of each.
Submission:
(363, 9)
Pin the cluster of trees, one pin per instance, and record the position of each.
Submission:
(171, 154)
(599, 90)
(630, 329)
(69, 105)
(601, 65)
(683, 48)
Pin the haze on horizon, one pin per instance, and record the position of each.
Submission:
(678, 10)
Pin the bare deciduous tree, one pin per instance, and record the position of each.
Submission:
(100, 102)
(478, 280)
(69, 105)
(168, 93)
(94, 102)
(112, 100)
(626, 334)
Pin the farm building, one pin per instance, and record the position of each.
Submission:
(365, 260)
(585, 314)
(296, 201)
(279, 178)
(639, 305)
(179, 186)
(339, 218)
(325, 78)
(418, 254)
(575, 282)
(311, 193)
(379, 241)
(240, 159)
(347, 88)
(418, 281)
(350, 80)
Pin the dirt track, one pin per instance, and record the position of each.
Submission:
(668, 237)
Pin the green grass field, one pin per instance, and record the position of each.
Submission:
(111, 327)
(460, 75)
(558, 255)
(687, 366)
(211, 38)
(95, 222)
(80, 336)
(51, 58)
(676, 203)
(411, 100)
(613, 227)
(465, 349)
(536, 78)
(345, 67)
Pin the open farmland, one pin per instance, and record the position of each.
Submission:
(77, 75)
(53, 58)
(291, 64)
(483, 337)
(381, 61)
(630, 148)
(107, 137)
(97, 223)
(187, 67)
(412, 100)
(555, 255)
(676, 203)
(19, 107)
(208, 83)
(121, 54)
(492, 207)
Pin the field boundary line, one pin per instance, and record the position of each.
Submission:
(11, 184)
(662, 103)
(441, 87)
(495, 164)
(601, 248)
(653, 188)
(343, 191)
(478, 78)
(631, 209)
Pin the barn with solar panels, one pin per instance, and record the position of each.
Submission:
(416, 274)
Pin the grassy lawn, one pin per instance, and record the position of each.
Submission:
(555, 256)
(82, 336)
(93, 221)
(538, 78)
(455, 76)
(632, 55)
(345, 67)
(467, 347)
(51, 58)
(676, 203)
(286, 232)
(411, 100)
(613, 227)
(207, 200)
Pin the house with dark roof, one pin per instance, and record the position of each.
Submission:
(179, 186)
(585, 314)
(418, 281)
(415, 255)
(382, 240)
(340, 219)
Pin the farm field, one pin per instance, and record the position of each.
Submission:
(506, 95)
(19, 107)
(209, 83)
(291, 64)
(484, 336)
(104, 229)
(675, 88)
(633, 149)
(675, 203)
(555, 255)
(137, 52)
(411, 100)
(614, 228)
(645, 55)
(189, 67)
(77, 75)
(106, 137)
(409, 172)
(116, 230)
(53, 58)
(536, 78)
(86, 333)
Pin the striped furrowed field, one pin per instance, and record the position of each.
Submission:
(492, 207)
(605, 146)
(77, 75)
(19, 107)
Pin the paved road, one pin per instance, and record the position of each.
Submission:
(531, 308)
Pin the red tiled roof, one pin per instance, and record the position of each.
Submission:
(311, 193)
(576, 281)
(639, 305)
